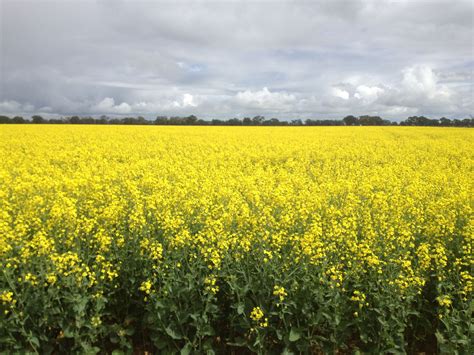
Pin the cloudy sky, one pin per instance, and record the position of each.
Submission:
(223, 59)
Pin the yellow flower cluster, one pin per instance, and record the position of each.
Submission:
(70, 264)
(388, 204)
(146, 287)
(360, 298)
(7, 297)
(7, 300)
(211, 286)
(280, 292)
(96, 321)
(258, 317)
(444, 301)
(151, 249)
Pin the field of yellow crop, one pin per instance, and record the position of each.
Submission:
(216, 239)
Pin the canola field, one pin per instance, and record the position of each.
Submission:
(220, 239)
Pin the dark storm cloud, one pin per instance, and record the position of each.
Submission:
(232, 58)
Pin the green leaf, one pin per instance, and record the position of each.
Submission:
(80, 306)
(34, 340)
(68, 333)
(186, 350)
(172, 333)
(440, 337)
(294, 335)
(240, 308)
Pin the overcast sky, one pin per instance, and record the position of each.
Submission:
(223, 59)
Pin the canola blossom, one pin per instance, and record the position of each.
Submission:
(299, 239)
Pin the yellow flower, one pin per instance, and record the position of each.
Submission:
(7, 300)
(7, 297)
(257, 316)
(444, 301)
(96, 321)
(211, 286)
(280, 292)
(76, 202)
(146, 287)
(51, 278)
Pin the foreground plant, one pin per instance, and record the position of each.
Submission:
(193, 239)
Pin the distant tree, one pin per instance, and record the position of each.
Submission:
(18, 120)
(216, 122)
(272, 122)
(134, 121)
(247, 121)
(113, 120)
(257, 120)
(56, 121)
(468, 122)
(87, 120)
(365, 120)
(310, 122)
(445, 122)
(38, 119)
(5, 119)
(161, 120)
(75, 120)
(420, 121)
(371, 121)
(190, 120)
(350, 120)
(176, 120)
(234, 122)
(141, 120)
(201, 122)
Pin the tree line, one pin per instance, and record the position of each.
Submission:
(192, 120)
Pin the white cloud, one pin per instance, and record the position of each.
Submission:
(265, 99)
(416, 90)
(187, 101)
(161, 105)
(343, 94)
(421, 80)
(107, 105)
(368, 93)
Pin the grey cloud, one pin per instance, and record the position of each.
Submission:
(283, 59)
